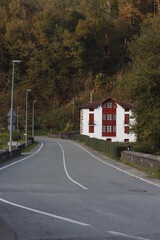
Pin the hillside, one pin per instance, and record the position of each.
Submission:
(71, 48)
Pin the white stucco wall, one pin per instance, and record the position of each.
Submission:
(84, 123)
(98, 123)
(120, 123)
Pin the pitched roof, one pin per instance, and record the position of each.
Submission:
(125, 105)
(97, 103)
(94, 104)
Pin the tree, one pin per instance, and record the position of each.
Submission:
(142, 83)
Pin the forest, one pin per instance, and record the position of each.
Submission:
(72, 48)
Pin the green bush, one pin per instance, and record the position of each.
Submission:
(69, 127)
(4, 139)
(141, 147)
(113, 149)
(16, 135)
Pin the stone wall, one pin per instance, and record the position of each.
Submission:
(144, 160)
(69, 135)
(65, 135)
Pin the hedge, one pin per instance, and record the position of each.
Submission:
(113, 149)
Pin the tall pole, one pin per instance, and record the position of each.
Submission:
(91, 96)
(28, 90)
(33, 119)
(11, 120)
(73, 111)
(17, 118)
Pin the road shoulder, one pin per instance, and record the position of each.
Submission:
(119, 165)
(6, 232)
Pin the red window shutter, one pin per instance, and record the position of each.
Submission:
(126, 118)
(126, 129)
(91, 129)
(91, 118)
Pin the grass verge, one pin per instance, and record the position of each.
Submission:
(30, 147)
(154, 173)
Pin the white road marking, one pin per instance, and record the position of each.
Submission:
(126, 236)
(9, 165)
(64, 164)
(45, 213)
(130, 174)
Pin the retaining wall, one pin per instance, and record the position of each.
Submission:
(5, 155)
(144, 160)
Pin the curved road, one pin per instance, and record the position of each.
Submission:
(62, 191)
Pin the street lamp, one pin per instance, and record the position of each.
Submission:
(11, 120)
(27, 91)
(33, 118)
(17, 118)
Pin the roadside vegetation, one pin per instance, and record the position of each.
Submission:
(4, 139)
(153, 173)
(30, 147)
(17, 136)
(114, 149)
(111, 149)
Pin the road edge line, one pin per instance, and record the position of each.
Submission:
(45, 213)
(130, 174)
(21, 160)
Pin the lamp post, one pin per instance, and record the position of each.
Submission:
(33, 118)
(17, 118)
(27, 91)
(11, 120)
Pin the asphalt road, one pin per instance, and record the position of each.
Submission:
(62, 191)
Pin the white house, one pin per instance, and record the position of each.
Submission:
(108, 119)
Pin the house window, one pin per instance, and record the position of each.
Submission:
(109, 104)
(109, 117)
(126, 140)
(109, 129)
(91, 109)
(126, 118)
(114, 129)
(91, 129)
(91, 118)
(114, 117)
(104, 105)
(114, 105)
(103, 117)
(103, 129)
(126, 129)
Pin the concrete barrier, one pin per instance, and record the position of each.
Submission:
(145, 160)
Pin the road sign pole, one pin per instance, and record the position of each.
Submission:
(26, 116)
(27, 91)
(10, 144)
(11, 123)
